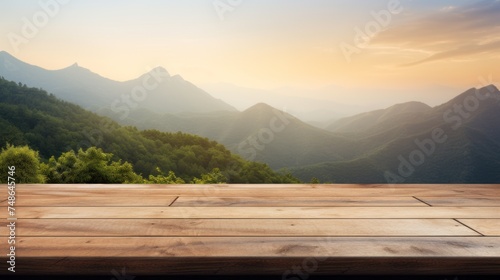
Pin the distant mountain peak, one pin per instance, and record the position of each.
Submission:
(491, 88)
(82, 86)
(72, 66)
(264, 109)
(260, 106)
(486, 91)
(158, 70)
(414, 106)
(75, 68)
(417, 103)
(6, 55)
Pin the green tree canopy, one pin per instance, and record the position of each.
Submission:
(90, 166)
(26, 162)
(171, 178)
(52, 127)
(214, 177)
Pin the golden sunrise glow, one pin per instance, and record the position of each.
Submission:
(260, 44)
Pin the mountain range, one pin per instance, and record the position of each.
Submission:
(368, 121)
(60, 130)
(156, 91)
(458, 141)
(411, 142)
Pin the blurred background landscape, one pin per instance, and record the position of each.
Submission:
(250, 91)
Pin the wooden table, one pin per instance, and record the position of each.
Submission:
(288, 230)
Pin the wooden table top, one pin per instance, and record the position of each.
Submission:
(286, 230)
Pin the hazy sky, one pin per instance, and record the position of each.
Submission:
(264, 43)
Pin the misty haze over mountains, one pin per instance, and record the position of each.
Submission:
(316, 106)
(156, 90)
(457, 141)
(322, 105)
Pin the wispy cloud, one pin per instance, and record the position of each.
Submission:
(450, 32)
(462, 51)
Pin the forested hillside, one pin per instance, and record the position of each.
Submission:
(52, 127)
(456, 142)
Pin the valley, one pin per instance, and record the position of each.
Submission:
(409, 142)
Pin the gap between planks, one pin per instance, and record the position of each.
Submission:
(240, 227)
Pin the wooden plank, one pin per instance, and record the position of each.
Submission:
(250, 244)
(489, 227)
(257, 212)
(478, 201)
(238, 227)
(189, 201)
(256, 247)
(208, 191)
(97, 200)
(151, 200)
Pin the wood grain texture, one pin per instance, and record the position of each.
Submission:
(257, 246)
(478, 201)
(260, 229)
(187, 201)
(256, 212)
(238, 227)
(488, 227)
(49, 200)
